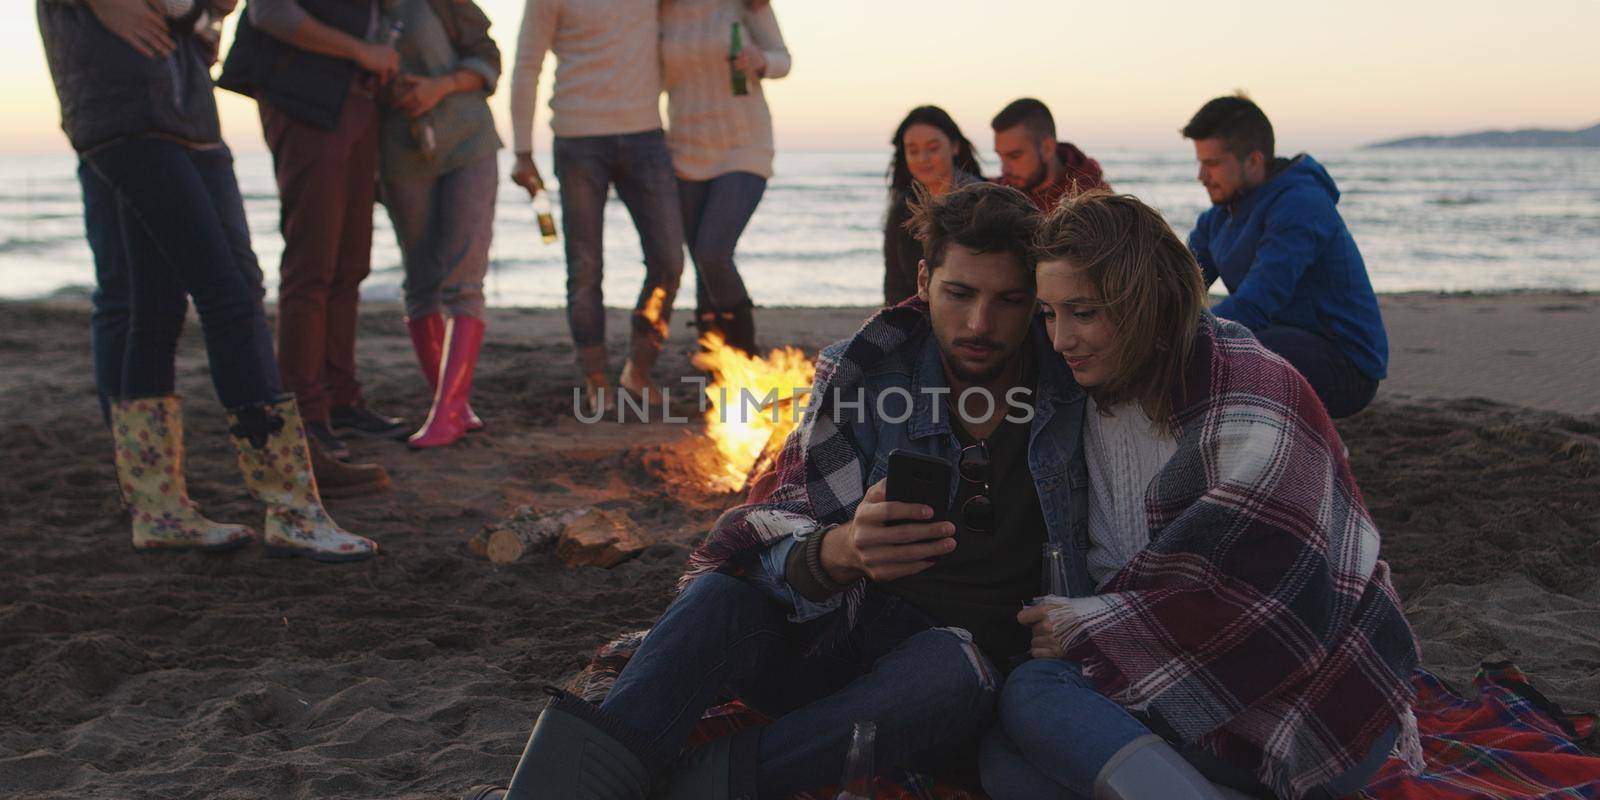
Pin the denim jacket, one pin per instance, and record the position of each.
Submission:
(1055, 452)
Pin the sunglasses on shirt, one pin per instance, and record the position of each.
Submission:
(977, 514)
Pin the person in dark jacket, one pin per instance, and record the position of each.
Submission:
(166, 223)
(1294, 274)
(313, 67)
(931, 156)
(1033, 160)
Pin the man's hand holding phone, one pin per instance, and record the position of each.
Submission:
(886, 540)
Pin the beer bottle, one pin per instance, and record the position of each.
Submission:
(396, 28)
(740, 86)
(1054, 579)
(546, 214)
(422, 134)
(859, 781)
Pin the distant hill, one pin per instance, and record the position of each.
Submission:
(1530, 137)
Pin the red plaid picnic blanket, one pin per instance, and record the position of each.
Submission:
(1508, 742)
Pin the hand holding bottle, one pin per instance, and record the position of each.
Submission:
(751, 61)
(381, 60)
(526, 175)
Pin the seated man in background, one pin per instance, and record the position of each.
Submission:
(1294, 275)
(811, 605)
(1031, 159)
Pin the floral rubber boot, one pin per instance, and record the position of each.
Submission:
(148, 436)
(276, 462)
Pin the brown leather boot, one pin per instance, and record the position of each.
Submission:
(336, 478)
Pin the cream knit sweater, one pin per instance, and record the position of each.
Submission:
(1124, 453)
(711, 132)
(608, 68)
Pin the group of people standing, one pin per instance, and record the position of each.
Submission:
(364, 101)
(696, 182)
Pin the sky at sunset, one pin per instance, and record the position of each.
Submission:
(1117, 75)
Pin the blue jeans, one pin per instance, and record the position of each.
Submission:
(166, 223)
(1344, 390)
(641, 169)
(928, 689)
(715, 213)
(444, 224)
(1057, 731)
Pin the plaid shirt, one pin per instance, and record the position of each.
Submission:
(1259, 622)
(818, 476)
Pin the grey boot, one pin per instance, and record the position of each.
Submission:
(721, 769)
(576, 752)
(1147, 768)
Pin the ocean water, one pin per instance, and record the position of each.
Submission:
(1431, 220)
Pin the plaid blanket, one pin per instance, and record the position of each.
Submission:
(817, 481)
(1259, 622)
(1508, 742)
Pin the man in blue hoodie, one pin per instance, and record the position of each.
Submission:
(1293, 272)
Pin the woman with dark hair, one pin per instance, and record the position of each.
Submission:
(930, 156)
(1244, 631)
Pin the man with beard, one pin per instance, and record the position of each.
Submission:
(1032, 160)
(1274, 236)
(822, 602)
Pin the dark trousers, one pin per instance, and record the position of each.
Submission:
(326, 186)
(1344, 390)
(715, 213)
(638, 165)
(930, 690)
(166, 223)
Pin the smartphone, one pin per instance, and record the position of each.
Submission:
(922, 479)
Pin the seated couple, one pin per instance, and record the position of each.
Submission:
(1226, 620)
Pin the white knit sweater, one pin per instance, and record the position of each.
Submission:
(608, 68)
(1124, 453)
(711, 132)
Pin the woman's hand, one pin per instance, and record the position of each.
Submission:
(417, 95)
(1046, 634)
(751, 61)
(140, 23)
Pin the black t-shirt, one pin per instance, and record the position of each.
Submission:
(984, 583)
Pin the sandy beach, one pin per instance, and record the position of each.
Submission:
(417, 674)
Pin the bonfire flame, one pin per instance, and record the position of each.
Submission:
(754, 403)
(652, 311)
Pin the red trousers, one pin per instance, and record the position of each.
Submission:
(326, 188)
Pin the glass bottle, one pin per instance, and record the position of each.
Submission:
(1053, 580)
(859, 781)
(740, 86)
(543, 209)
